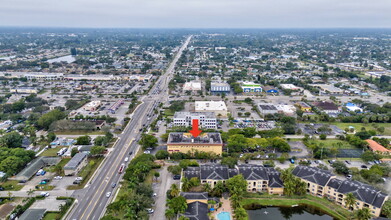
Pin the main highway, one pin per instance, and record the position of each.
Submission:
(91, 202)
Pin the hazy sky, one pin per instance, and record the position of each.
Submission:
(196, 13)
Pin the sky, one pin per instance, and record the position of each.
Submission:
(197, 13)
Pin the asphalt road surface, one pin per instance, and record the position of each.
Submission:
(91, 201)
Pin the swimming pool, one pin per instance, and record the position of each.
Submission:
(223, 216)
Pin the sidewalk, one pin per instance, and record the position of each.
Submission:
(225, 207)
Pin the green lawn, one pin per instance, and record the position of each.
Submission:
(11, 185)
(62, 163)
(51, 152)
(51, 216)
(329, 143)
(87, 171)
(168, 112)
(321, 203)
(368, 126)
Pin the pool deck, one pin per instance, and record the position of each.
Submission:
(225, 207)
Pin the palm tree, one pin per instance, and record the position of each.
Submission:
(174, 190)
(170, 214)
(219, 189)
(207, 187)
(350, 200)
(30, 192)
(186, 185)
(363, 214)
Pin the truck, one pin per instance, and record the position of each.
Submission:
(62, 151)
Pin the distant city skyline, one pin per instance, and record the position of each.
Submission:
(197, 13)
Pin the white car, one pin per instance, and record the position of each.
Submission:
(79, 178)
(108, 194)
(126, 159)
(46, 194)
(147, 152)
(57, 177)
(150, 211)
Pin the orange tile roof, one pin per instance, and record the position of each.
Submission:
(376, 147)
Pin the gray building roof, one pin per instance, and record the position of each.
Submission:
(313, 174)
(196, 211)
(214, 172)
(36, 164)
(195, 195)
(75, 161)
(219, 87)
(33, 214)
(361, 191)
(265, 106)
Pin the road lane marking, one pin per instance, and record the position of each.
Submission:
(107, 177)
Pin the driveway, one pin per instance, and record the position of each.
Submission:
(160, 188)
(49, 203)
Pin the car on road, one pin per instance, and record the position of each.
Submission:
(176, 177)
(131, 152)
(364, 167)
(57, 177)
(126, 159)
(108, 194)
(113, 185)
(150, 211)
(347, 162)
(154, 194)
(147, 152)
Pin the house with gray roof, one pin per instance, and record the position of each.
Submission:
(32, 214)
(196, 211)
(74, 166)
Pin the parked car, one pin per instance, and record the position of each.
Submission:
(113, 185)
(177, 177)
(347, 162)
(57, 177)
(364, 167)
(150, 211)
(45, 194)
(126, 159)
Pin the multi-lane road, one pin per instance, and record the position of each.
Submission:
(91, 201)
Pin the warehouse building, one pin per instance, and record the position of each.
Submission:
(218, 107)
(219, 88)
(267, 108)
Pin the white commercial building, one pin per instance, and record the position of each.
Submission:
(92, 106)
(289, 110)
(192, 86)
(205, 119)
(218, 107)
(290, 86)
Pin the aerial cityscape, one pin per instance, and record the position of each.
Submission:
(175, 111)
